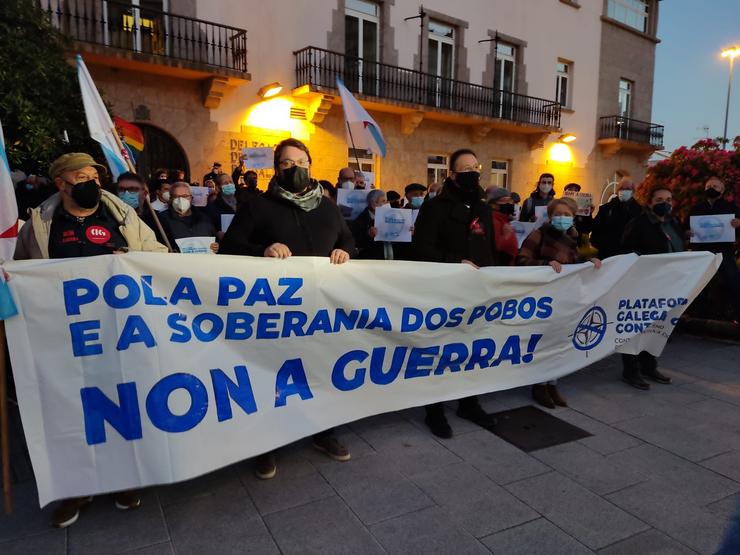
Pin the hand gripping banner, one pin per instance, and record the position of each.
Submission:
(142, 369)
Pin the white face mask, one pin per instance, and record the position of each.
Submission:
(347, 185)
(545, 187)
(181, 205)
(166, 196)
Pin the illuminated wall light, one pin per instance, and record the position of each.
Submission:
(274, 115)
(268, 91)
(567, 138)
(560, 152)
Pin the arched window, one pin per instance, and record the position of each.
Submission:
(161, 150)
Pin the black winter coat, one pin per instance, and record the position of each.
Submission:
(216, 209)
(610, 223)
(269, 219)
(645, 236)
(198, 224)
(446, 230)
(531, 202)
(720, 206)
(367, 247)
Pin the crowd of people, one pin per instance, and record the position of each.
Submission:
(458, 222)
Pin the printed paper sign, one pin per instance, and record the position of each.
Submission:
(394, 224)
(226, 220)
(716, 228)
(200, 196)
(259, 158)
(352, 202)
(523, 229)
(195, 245)
(583, 200)
(540, 213)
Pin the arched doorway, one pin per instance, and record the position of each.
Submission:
(161, 150)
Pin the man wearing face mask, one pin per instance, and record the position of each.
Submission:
(655, 231)
(346, 179)
(714, 204)
(456, 227)
(434, 189)
(612, 219)
(225, 203)
(502, 205)
(161, 187)
(79, 220)
(364, 230)
(540, 197)
(183, 220)
(293, 218)
(414, 193)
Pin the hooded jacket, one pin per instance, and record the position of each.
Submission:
(33, 238)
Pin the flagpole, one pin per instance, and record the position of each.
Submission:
(5, 440)
(354, 150)
(148, 204)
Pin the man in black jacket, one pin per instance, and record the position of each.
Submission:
(293, 218)
(456, 226)
(654, 231)
(182, 220)
(612, 219)
(364, 230)
(714, 204)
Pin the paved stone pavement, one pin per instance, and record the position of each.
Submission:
(661, 474)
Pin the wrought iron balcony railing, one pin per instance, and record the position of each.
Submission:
(143, 30)
(320, 68)
(626, 129)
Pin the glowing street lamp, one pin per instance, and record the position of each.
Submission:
(731, 53)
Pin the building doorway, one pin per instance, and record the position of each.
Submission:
(161, 150)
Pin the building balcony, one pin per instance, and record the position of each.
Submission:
(417, 95)
(119, 34)
(618, 133)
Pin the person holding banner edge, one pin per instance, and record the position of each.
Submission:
(456, 226)
(82, 219)
(293, 218)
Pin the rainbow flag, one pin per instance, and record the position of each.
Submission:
(129, 133)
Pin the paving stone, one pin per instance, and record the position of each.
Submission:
(588, 468)
(605, 439)
(652, 542)
(694, 483)
(600, 408)
(357, 446)
(666, 435)
(494, 457)
(539, 537)
(726, 508)
(27, 518)
(225, 522)
(582, 514)
(375, 422)
(223, 479)
(374, 488)
(472, 500)
(428, 531)
(104, 529)
(322, 527)
(49, 543)
(729, 393)
(156, 549)
(660, 506)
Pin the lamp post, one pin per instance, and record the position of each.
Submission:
(731, 53)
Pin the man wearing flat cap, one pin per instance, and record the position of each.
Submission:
(414, 193)
(82, 219)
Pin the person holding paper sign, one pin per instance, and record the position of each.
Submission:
(541, 196)
(225, 203)
(714, 204)
(293, 218)
(456, 226)
(364, 230)
(183, 220)
(612, 219)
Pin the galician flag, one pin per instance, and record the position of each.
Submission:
(8, 206)
(362, 131)
(99, 122)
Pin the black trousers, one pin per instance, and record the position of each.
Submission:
(632, 365)
(731, 275)
(436, 411)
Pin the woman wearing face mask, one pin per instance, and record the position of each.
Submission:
(502, 205)
(553, 244)
(293, 218)
(541, 196)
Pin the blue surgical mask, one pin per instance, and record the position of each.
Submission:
(625, 195)
(130, 198)
(562, 223)
(432, 194)
(416, 202)
(228, 189)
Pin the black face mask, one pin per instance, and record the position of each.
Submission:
(713, 193)
(86, 194)
(662, 209)
(294, 179)
(469, 185)
(506, 209)
(251, 182)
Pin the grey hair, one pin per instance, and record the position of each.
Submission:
(374, 195)
(177, 184)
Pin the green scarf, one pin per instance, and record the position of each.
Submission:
(306, 201)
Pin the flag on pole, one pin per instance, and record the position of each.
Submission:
(7, 305)
(129, 133)
(99, 122)
(8, 206)
(362, 131)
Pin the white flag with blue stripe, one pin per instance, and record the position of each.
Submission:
(99, 122)
(8, 206)
(362, 131)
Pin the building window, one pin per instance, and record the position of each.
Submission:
(562, 92)
(436, 169)
(361, 45)
(500, 173)
(633, 13)
(441, 62)
(504, 77)
(625, 97)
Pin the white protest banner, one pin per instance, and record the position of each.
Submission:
(583, 200)
(226, 220)
(716, 228)
(394, 224)
(259, 158)
(200, 196)
(144, 368)
(352, 202)
(195, 245)
(523, 229)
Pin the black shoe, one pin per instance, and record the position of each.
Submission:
(657, 377)
(476, 414)
(636, 381)
(439, 427)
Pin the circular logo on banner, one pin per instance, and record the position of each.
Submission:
(97, 234)
(590, 330)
